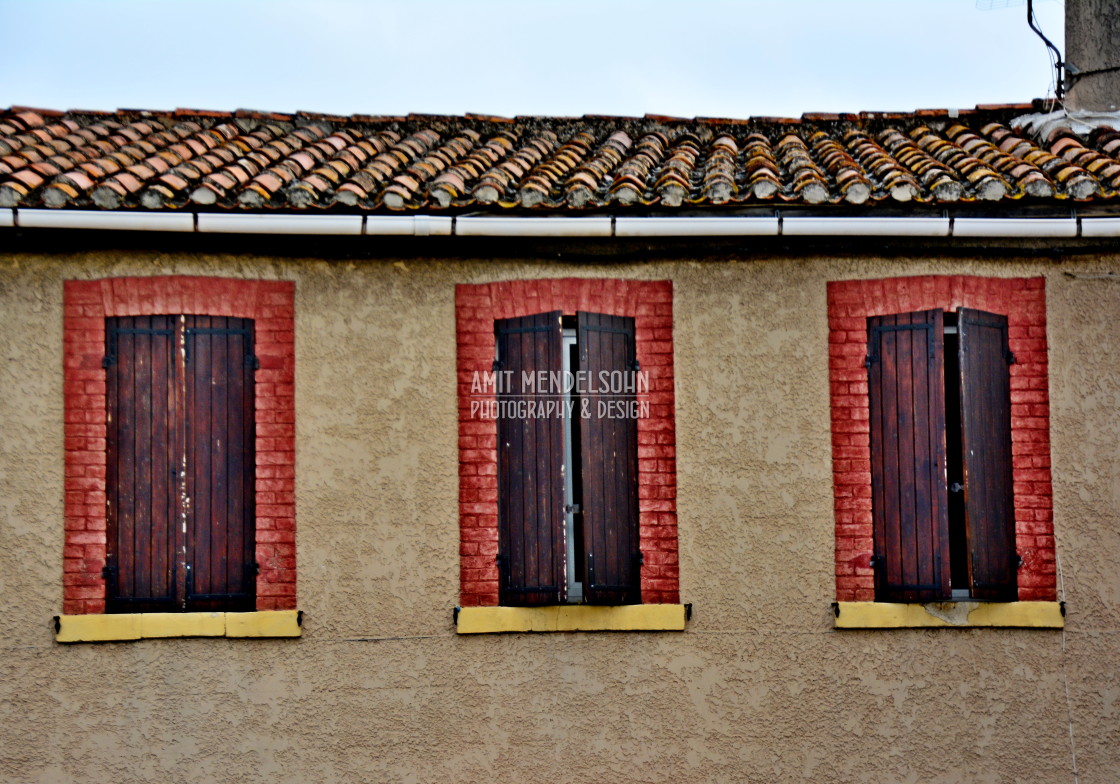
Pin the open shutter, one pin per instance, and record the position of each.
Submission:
(140, 480)
(530, 465)
(220, 450)
(907, 406)
(986, 443)
(609, 460)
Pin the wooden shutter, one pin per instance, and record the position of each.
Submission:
(909, 506)
(986, 442)
(140, 473)
(180, 473)
(609, 460)
(530, 466)
(220, 459)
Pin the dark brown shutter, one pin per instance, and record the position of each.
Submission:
(220, 463)
(907, 401)
(530, 465)
(140, 478)
(986, 442)
(181, 445)
(609, 459)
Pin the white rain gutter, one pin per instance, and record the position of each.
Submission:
(794, 226)
(233, 223)
(97, 219)
(532, 227)
(1100, 227)
(696, 227)
(780, 224)
(1014, 227)
(408, 226)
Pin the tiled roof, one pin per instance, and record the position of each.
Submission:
(198, 160)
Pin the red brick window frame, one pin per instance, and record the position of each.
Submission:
(1023, 301)
(650, 304)
(86, 304)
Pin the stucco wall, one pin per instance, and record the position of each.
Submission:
(759, 688)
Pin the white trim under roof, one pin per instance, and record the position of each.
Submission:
(104, 219)
(790, 224)
(1100, 227)
(511, 226)
(235, 223)
(730, 226)
(795, 226)
(1015, 227)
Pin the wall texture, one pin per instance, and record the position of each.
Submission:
(759, 688)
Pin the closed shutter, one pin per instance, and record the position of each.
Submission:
(142, 495)
(986, 442)
(609, 459)
(530, 465)
(180, 464)
(220, 463)
(907, 410)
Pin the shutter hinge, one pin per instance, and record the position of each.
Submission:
(1009, 355)
(503, 569)
(251, 361)
(108, 360)
(639, 559)
(868, 361)
(496, 366)
(108, 571)
(572, 508)
(635, 365)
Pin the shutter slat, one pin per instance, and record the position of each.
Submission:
(986, 444)
(609, 458)
(907, 424)
(530, 462)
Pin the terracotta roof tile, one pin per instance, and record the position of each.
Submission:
(260, 160)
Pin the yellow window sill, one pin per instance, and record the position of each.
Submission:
(144, 626)
(572, 618)
(887, 615)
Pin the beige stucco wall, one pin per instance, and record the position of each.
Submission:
(759, 688)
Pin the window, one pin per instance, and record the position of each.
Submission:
(941, 462)
(567, 394)
(539, 530)
(144, 392)
(180, 464)
(961, 464)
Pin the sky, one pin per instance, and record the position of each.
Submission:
(682, 58)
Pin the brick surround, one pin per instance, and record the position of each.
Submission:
(650, 303)
(1023, 301)
(86, 305)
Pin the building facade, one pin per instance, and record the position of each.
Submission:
(263, 517)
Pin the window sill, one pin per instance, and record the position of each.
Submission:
(964, 615)
(572, 618)
(144, 626)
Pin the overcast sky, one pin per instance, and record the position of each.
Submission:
(714, 58)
